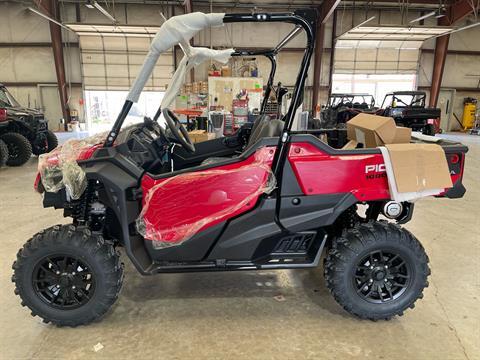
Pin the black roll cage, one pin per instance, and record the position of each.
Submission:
(395, 97)
(303, 19)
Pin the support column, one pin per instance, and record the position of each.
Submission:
(439, 57)
(332, 51)
(324, 12)
(317, 67)
(455, 12)
(51, 8)
(188, 7)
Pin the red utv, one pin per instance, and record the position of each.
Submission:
(173, 206)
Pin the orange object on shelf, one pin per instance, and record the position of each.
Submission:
(189, 112)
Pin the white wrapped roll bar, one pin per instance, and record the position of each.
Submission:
(178, 29)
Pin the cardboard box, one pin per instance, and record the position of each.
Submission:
(371, 130)
(403, 135)
(226, 71)
(352, 144)
(419, 167)
(198, 136)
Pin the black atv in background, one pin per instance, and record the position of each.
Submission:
(25, 131)
(408, 109)
(342, 107)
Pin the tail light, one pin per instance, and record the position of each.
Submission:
(454, 159)
(3, 115)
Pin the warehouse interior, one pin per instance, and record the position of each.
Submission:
(73, 63)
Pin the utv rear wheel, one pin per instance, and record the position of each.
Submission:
(376, 270)
(19, 149)
(52, 141)
(68, 276)
(3, 153)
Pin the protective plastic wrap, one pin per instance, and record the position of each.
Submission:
(59, 168)
(176, 208)
(194, 56)
(177, 29)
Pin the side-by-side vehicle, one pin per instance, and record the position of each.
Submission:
(269, 198)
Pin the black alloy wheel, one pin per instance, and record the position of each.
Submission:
(382, 276)
(68, 275)
(376, 270)
(63, 281)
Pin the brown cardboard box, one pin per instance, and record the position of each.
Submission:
(200, 136)
(403, 135)
(371, 130)
(226, 71)
(419, 167)
(352, 144)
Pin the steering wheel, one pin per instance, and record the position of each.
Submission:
(178, 130)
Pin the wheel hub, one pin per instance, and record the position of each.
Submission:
(63, 281)
(381, 276)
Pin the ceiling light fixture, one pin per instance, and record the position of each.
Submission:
(427, 15)
(48, 18)
(460, 29)
(93, 4)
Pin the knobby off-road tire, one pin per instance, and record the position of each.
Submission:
(3, 153)
(52, 140)
(19, 148)
(51, 143)
(429, 129)
(67, 275)
(376, 270)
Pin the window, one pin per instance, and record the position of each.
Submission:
(103, 107)
(376, 85)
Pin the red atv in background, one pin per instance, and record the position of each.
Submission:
(173, 206)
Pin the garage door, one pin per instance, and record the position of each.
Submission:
(381, 49)
(112, 57)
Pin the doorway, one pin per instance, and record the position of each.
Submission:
(51, 106)
(445, 103)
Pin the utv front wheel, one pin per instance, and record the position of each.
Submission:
(68, 276)
(376, 270)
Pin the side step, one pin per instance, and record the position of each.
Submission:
(278, 259)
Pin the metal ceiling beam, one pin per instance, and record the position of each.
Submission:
(325, 11)
(454, 13)
(52, 10)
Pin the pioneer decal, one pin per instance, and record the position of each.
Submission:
(375, 171)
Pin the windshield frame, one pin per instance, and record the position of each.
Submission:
(13, 103)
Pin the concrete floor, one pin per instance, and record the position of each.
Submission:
(236, 315)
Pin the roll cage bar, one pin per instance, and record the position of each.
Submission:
(417, 98)
(350, 97)
(305, 20)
